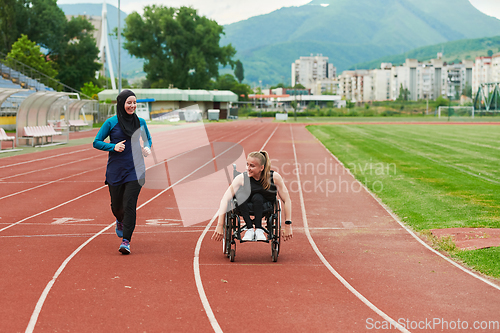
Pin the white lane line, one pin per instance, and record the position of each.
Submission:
(48, 183)
(199, 284)
(196, 261)
(269, 138)
(50, 209)
(41, 300)
(43, 182)
(83, 195)
(326, 263)
(44, 158)
(88, 234)
(396, 218)
(52, 167)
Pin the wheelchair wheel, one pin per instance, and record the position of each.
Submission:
(228, 234)
(232, 254)
(276, 233)
(274, 255)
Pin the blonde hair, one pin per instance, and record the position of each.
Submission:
(263, 158)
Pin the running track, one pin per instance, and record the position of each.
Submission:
(349, 268)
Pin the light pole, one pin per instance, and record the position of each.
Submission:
(119, 47)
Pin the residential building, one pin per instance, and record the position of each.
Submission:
(427, 80)
(405, 77)
(313, 70)
(481, 73)
(495, 67)
(351, 84)
(328, 86)
(456, 78)
(381, 83)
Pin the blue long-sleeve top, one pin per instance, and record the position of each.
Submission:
(127, 165)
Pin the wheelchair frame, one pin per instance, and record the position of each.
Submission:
(233, 229)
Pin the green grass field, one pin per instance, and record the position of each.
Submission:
(392, 119)
(431, 176)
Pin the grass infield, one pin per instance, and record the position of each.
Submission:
(393, 119)
(431, 176)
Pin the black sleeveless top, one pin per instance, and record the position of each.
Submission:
(256, 187)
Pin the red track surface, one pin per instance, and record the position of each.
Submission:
(373, 260)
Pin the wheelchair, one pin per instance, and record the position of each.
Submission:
(233, 229)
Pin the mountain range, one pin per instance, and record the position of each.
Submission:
(349, 32)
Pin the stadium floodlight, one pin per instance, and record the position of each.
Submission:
(104, 50)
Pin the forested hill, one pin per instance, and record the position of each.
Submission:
(350, 32)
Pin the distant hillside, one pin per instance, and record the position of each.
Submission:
(350, 32)
(131, 67)
(456, 51)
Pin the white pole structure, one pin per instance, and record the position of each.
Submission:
(104, 50)
(119, 49)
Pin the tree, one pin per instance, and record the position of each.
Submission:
(45, 24)
(404, 93)
(238, 71)
(91, 90)
(441, 101)
(41, 20)
(29, 53)
(228, 82)
(279, 85)
(467, 91)
(179, 46)
(69, 44)
(12, 13)
(77, 61)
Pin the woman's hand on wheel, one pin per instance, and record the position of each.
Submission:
(218, 233)
(287, 232)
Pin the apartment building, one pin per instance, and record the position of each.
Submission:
(405, 77)
(352, 84)
(456, 78)
(420, 80)
(495, 67)
(482, 72)
(374, 85)
(381, 83)
(315, 73)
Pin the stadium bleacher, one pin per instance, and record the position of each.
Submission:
(5, 83)
(19, 80)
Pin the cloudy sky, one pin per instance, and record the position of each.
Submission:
(229, 11)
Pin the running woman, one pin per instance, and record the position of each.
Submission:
(125, 171)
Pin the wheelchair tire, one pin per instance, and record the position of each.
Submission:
(276, 234)
(232, 254)
(228, 233)
(275, 251)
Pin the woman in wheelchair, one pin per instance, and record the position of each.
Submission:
(255, 190)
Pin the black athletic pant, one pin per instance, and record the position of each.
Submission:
(124, 204)
(257, 201)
